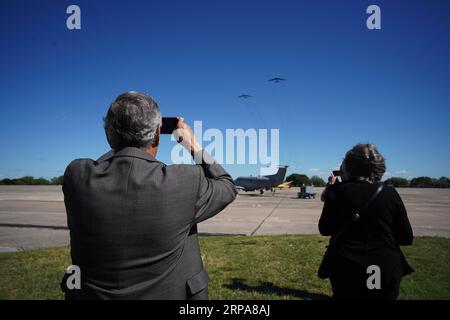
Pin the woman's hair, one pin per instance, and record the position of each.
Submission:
(364, 162)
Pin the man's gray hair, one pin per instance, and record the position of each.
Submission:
(132, 121)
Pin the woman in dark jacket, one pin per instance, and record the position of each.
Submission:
(366, 229)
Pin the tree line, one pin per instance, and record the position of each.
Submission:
(302, 179)
(29, 180)
(296, 178)
(419, 182)
(398, 182)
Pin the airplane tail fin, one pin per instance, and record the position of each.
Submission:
(278, 177)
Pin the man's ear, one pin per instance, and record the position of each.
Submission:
(158, 135)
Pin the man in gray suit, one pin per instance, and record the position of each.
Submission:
(133, 219)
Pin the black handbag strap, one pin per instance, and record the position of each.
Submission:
(359, 211)
(373, 197)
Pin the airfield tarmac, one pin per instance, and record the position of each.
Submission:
(34, 216)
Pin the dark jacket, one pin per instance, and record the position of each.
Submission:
(375, 238)
(132, 222)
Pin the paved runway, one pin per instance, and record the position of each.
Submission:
(34, 216)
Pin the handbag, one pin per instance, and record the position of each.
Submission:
(324, 270)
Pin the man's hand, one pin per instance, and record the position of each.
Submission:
(184, 135)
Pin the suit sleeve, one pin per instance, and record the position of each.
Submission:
(68, 192)
(216, 189)
(67, 180)
(401, 226)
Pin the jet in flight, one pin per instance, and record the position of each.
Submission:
(277, 79)
(261, 183)
(245, 96)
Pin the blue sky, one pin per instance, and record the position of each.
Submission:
(345, 84)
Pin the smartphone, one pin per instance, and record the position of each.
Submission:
(337, 173)
(169, 124)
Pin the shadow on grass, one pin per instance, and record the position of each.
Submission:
(211, 234)
(270, 288)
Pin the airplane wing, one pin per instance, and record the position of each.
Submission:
(277, 79)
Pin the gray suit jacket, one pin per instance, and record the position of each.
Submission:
(133, 225)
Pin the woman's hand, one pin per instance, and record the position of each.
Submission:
(332, 179)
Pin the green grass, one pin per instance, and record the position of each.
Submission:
(269, 267)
